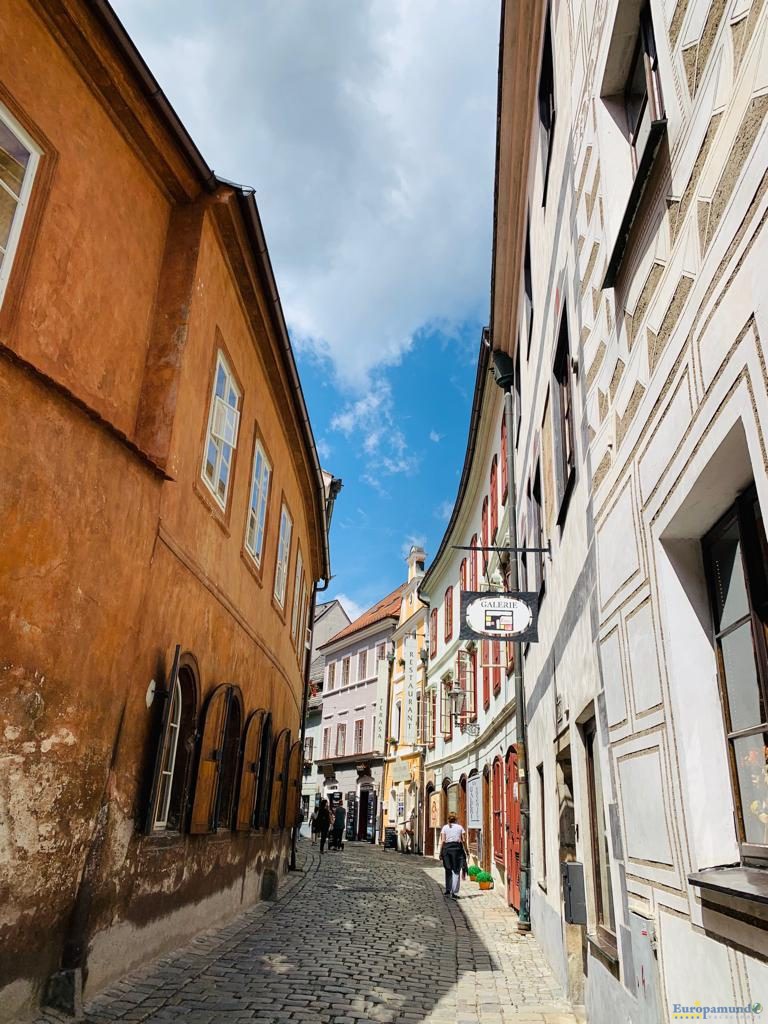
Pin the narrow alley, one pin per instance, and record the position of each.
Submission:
(365, 935)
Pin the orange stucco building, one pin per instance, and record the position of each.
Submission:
(163, 519)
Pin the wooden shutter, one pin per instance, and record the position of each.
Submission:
(167, 697)
(209, 765)
(484, 655)
(250, 772)
(279, 780)
(496, 665)
(293, 802)
(446, 720)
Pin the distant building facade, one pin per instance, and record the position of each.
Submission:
(330, 618)
(163, 514)
(351, 757)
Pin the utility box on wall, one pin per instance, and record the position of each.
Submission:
(574, 897)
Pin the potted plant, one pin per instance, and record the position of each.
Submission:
(473, 871)
(485, 880)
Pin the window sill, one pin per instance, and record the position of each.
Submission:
(656, 133)
(742, 882)
(219, 515)
(604, 951)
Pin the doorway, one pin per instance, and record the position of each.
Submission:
(513, 832)
(485, 853)
(575, 935)
(366, 816)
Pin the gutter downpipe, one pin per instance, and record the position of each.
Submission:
(524, 916)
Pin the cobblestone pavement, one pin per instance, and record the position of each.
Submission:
(358, 936)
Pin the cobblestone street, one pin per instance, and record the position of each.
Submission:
(359, 936)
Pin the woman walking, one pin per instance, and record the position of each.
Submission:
(453, 853)
(323, 823)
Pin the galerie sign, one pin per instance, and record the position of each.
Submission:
(505, 616)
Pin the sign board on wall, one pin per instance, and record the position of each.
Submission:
(401, 771)
(436, 815)
(504, 616)
(382, 685)
(411, 688)
(475, 801)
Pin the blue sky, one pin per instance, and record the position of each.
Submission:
(367, 128)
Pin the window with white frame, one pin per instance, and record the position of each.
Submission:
(362, 665)
(341, 740)
(327, 742)
(283, 555)
(298, 577)
(309, 748)
(345, 672)
(223, 424)
(169, 759)
(257, 511)
(331, 675)
(19, 158)
(358, 736)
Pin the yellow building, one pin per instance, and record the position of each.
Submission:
(403, 782)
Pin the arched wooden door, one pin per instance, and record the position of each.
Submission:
(513, 832)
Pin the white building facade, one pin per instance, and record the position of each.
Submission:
(629, 256)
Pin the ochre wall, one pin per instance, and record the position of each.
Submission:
(109, 560)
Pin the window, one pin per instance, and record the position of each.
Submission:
(485, 661)
(465, 674)
(309, 748)
(397, 720)
(463, 574)
(448, 613)
(223, 424)
(446, 710)
(19, 159)
(542, 829)
(362, 665)
(536, 538)
(305, 807)
(174, 754)
(601, 869)
(331, 675)
(327, 742)
(527, 329)
(283, 555)
(546, 103)
(341, 740)
(473, 563)
(305, 633)
(496, 661)
(296, 613)
(419, 722)
(494, 499)
(257, 510)
(498, 811)
(518, 389)
(503, 456)
(565, 461)
(345, 672)
(484, 527)
(433, 633)
(642, 94)
(381, 651)
(358, 748)
(736, 559)
(432, 717)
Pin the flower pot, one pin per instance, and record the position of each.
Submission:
(486, 885)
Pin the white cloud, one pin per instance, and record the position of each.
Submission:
(367, 129)
(443, 511)
(434, 436)
(413, 540)
(351, 607)
(324, 450)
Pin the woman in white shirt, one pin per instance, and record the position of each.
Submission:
(453, 853)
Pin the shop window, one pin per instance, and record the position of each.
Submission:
(264, 776)
(601, 867)
(498, 811)
(494, 498)
(280, 779)
(448, 613)
(223, 426)
(736, 560)
(168, 795)
(341, 740)
(257, 507)
(283, 555)
(19, 159)
(546, 103)
(565, 462)
(249, 775)
(218, 763)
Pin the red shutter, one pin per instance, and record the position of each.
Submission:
(503, 457)
(484, 657)
(484, 526)
(250, 771)
(165, 718)
(463, 574)
(209, 766)
(494, 499)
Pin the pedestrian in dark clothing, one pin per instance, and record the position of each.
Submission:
(323, 823)
(453, 853)
(339, 822)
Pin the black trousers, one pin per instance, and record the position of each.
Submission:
(453, 862)
(323, 837)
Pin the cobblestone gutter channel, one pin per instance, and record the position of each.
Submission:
(357, 936)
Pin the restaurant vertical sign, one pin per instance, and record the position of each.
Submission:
(382, 685)
(411, 689)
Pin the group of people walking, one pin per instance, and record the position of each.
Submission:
(320, 822)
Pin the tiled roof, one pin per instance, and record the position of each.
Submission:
(388, 607)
